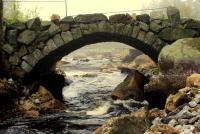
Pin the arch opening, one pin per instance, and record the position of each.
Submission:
(45, 65)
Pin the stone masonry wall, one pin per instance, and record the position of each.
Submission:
(26, 43)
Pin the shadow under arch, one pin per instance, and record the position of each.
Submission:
(46, 64)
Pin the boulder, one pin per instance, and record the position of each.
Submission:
(136, 123)
(193, 80)
(90, 18)
(178, 99)
(173, 34)
(131, 87)
(143, 18)
(120, 18)
(27, 37)
(180, 58)
(173, 15)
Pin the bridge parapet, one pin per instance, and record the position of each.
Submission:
(29, 43)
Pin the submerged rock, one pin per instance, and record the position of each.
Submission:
(131, 87)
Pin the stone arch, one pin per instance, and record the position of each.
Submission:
(45, 64)
(33, 47)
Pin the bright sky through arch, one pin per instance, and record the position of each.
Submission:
(82, 6)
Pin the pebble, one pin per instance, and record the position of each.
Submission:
(192, 104)
(156, 121)
(194, 119)
(173, 122)
(187, 129)
(183, 121)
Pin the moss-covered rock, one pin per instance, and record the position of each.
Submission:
(180, 58)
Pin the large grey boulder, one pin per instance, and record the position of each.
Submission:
(182, 57)
(90, 18)
(173, 34)
(173, 15)
(27, 37)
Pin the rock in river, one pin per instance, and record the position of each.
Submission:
(131, 87)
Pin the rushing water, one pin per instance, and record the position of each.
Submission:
(88, 97)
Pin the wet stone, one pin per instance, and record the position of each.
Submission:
(22, 51)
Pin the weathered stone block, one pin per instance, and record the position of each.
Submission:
(34, 24)
(143, 26)
(90, 18)
(22, 51)
(58, 40)
(93, 27)
(128, 29)
(119, 28)
(14, 60)
(8, 48)
(64, 27)
(120, 18)
(155, 27)
(26, 67)
(143, 18)
(172, 34)
(149, 38)
(157, 15)
(45, 25)
(173, 15)
(54, 29)
(136, 30)
(66, 36)
(27, 37)
(67, 20)
(37, 54)
(141, 35)
(30, 59)
(43, 36)
(12, 36)
(50, 46)
(103, 26)
(76, 33)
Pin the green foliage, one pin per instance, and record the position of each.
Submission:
(12, 13)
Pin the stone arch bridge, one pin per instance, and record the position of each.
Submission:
(33, 48)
